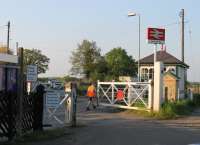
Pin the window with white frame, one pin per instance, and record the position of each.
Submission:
(146, 74)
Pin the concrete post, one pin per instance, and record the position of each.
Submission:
(150, 96)
(158, 86)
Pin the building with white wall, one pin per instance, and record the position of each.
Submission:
(174, 70)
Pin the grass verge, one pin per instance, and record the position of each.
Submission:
(37, 136)
(169, 110)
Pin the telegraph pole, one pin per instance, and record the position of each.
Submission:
(8, 37)
(182, 33)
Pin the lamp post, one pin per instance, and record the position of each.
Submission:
(131, 14)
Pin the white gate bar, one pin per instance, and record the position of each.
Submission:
(124, 107)
(123, 83)
(105, 93)
(137, 88)
(113, 94)
(139, 96)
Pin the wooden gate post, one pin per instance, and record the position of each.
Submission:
(74, 101)
(20, 90)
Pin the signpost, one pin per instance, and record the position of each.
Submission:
(31, 76)
(31, 73)
(157, 36)
(52, 99)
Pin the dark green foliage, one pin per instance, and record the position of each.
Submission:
(169, 110)
(35, 57)
(82, 89)
(38, 136)
(85, 58)
(68, 78)
(174, 109)
(119, 63)
(196, 98)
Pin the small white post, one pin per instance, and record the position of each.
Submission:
(98, 93)
(190, 95)
(129, 93)
(29, 87)
(68, 110)
(113, 92)
(178, 94)
(150, 97)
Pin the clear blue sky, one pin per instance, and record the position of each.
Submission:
(56, 26)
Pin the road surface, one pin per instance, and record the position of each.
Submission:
(105, 126)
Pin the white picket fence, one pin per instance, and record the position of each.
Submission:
(136, 95)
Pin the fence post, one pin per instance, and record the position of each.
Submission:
(158, 86)
(150, 96)
(129, 93)
(20, 90)
(10, 110)
(113, 92)
(74, 100)
(98, 93)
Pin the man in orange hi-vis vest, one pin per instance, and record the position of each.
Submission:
(91, 93)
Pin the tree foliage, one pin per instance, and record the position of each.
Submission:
(35, 57)
(119, 63)
(100, 71)
(88, 60)
(85, 58)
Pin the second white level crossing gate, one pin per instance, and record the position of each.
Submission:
(128, 95)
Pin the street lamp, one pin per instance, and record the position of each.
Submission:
(132, 14)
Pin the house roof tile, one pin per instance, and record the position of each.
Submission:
(163, 56)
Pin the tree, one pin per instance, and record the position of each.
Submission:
(35, 57)
(119, 63)
(101, 70)
(85, 58)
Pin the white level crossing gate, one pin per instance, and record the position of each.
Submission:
(128, 95)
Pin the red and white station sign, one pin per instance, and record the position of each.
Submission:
(156, 35)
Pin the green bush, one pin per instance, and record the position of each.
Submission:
(196, 100)
(174, 109)
(82, 89)
(167, 111)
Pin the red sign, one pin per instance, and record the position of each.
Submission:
(156, 35)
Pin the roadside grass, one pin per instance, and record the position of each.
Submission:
(169, 110)
(172, 110)
(37, 136)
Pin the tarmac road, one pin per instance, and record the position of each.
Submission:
(103, 127)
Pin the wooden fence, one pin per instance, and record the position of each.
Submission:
(10, 121)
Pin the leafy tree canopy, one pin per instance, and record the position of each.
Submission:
(119, 63)
(85, 58)
(35, 57)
